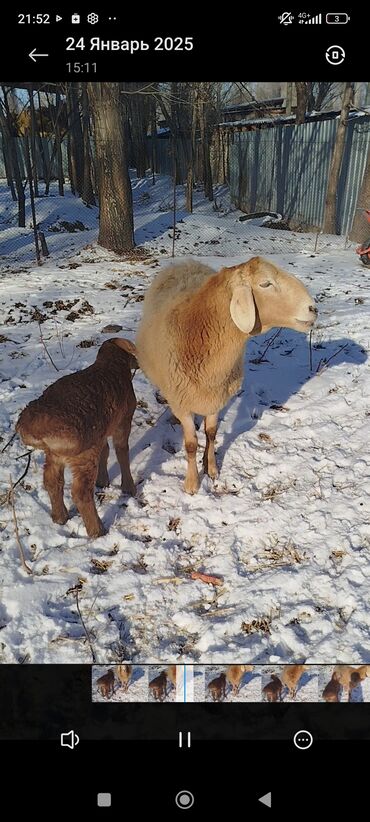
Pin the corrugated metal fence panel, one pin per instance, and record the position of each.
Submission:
(358, 144)
(286, 168)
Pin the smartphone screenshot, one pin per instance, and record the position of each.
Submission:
(185, 411)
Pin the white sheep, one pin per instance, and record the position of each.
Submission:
(193, 332)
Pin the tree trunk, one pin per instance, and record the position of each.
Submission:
(30, 175)
(33, 143)
(329, 226)
(190, 177)
(116, 229)
(289, 98)
(207, 171)
(139, 125)
(153, 135)
(58, 146)
(40, 134)
(8, 129)
(87, 192)
(8, 161)
(76, 153)
(301, 103)
(361, 230)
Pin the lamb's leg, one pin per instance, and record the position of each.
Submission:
(84, 472)
(120, 442)
(209, 459)
(191, 444)
(102, 479)
(54, 485)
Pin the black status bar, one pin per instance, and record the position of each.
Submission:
(66, 44)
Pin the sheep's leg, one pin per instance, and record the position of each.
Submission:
(84, 472)
(209, 459)
(191, 444)
(102, 479)
(54, 485)
(120, 442)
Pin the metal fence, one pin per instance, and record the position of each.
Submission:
(285, 169)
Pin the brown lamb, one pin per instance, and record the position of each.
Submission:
(105, 684)
(124, 674)
(217, 687)
(273, 689)
(331, 692)
(158, 686)
(72, 421)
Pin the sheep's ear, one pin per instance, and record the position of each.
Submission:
(127, 345)
(130, 347)
(242, 308)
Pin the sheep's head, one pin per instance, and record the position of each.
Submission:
(126, 346)
(264, 296)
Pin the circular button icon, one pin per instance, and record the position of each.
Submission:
(335, 55)
(303, 740)
(184, 799)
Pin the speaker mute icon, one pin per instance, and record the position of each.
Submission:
(69, 740)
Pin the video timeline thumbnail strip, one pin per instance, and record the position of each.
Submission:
(230, 683)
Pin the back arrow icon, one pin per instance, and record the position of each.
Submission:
(33, 56)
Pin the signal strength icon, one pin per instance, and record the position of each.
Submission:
(315, 20)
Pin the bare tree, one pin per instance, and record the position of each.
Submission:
(87, 189)
(10, 134)
(204, 123)
(301, 89)
(289, 98)
(116, 229)
(74, 139)
(336, 162)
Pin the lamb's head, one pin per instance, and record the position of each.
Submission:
(127, 348)
(264, 296)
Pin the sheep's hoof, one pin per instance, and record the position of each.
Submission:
(61, 518)
(191, 486)
(128, 488)
(98, 531)
(211, 471)
(102, 482)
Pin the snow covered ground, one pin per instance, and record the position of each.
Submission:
(286, 525)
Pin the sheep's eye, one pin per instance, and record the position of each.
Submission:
(266, 284)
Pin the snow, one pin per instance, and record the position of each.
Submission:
(287, 524)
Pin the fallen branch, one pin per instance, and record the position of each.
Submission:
(28, 454)
(46, 350)
(11, 500)
(175, 580)
(9, 442)
(84, 626)
(310, 344)
(271, 340)
(324, 363)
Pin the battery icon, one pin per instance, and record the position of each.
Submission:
(337, 17)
